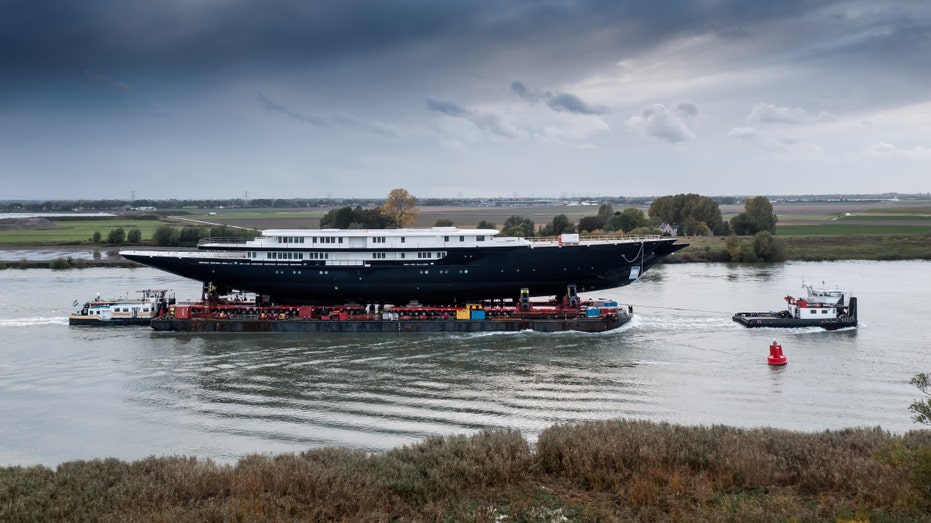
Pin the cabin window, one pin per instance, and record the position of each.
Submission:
(402, 255)
(402, 239)
(378, 256)
(462, 238)
(480, 238)
(445, 238)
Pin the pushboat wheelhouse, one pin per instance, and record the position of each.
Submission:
(442, 265)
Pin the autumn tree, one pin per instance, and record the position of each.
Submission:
(401, 208)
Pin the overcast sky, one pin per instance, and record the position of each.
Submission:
(285, 98)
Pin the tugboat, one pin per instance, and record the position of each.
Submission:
(826, 308)
(119, 312)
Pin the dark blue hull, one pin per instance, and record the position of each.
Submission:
(463, 275)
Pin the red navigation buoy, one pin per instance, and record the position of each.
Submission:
(775, 355)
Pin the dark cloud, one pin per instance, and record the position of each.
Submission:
(566, 102)
(366, 66)
(268, 34)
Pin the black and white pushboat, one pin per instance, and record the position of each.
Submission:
(118, 312)
(829, 309)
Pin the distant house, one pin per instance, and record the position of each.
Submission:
(671, 230)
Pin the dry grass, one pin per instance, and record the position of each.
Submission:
(605, 471)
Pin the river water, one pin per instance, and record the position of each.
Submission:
(71, 393)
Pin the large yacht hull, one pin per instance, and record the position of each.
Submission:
(463, 275)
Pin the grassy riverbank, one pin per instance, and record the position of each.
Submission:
(600, 471)
(832, 247)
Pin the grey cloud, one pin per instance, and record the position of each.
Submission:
(567, 102)
(657, 122)
(769, 113)
(339, 119)
(373, 127)
(745, 133)
(483, 120)
(273, 107)
(687, 110)
(101, 79)
(446, 107)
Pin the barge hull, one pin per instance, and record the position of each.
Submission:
(595, 324)
(96, 321)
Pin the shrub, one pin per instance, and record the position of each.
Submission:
(60, 263)
(166, 236)
(116, 236)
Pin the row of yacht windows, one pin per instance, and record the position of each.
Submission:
(301, 239)
(462, 238)
(339, 239)
(275, 255)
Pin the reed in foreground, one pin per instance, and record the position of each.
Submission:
(603, 471)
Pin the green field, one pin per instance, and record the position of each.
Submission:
(76, 232)
(886, 217)
(259, 215)
(837, 228)
(908, 211)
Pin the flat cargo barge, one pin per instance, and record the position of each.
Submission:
(472, 318)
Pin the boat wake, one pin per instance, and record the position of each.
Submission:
(32, 322)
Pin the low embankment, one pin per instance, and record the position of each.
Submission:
(600, 471)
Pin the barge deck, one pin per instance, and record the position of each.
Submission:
(203, 317)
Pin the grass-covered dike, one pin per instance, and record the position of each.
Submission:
(621, 470)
